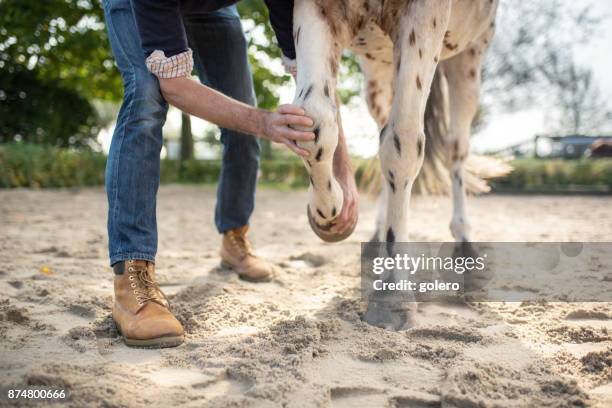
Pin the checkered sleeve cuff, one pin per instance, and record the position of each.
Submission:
(179, 65)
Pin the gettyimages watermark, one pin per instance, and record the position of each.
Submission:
(487, 271)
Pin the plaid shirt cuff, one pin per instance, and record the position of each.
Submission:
(179, 65)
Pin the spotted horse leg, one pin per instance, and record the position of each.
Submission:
(462, 73)
(418, 40)
(378, 75)
(318, 53)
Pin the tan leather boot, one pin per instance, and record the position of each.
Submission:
(141, 309)
(236, 253)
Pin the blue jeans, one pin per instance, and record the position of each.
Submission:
(133, 166)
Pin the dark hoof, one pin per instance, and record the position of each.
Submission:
(389, 316)
(474, 280)
(324, 231)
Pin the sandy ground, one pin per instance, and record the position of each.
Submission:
(298, 340)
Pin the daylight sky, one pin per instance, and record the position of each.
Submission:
(506, 130)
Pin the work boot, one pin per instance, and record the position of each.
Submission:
(141, 309)
(236, 253)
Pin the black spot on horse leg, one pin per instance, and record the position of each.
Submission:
(297, 36)
(320, 213)
(329, 185)
(319, 153)
(392, 184)
(382, 132)
(390, 240)
(326, 90)
(420, 147)
(334, 212)
(459, 179)
(397, 144)
(308, 91)
(316, 133)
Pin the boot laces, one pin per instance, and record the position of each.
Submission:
(145, 288)
(242, 244)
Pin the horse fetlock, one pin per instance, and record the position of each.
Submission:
(460, 228)
(325, 194)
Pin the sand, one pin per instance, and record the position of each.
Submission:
(298, 340)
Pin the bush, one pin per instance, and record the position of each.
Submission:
(27, 165)
(557, 175)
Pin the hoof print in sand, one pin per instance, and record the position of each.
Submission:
(312, 260)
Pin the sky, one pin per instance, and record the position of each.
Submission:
(505, 130)
(501, 130)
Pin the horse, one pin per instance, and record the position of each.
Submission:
(422, 66)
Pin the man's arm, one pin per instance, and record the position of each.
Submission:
(343, 170)
(168, 57)
(208, 104)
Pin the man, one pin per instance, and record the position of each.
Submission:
(149, 39)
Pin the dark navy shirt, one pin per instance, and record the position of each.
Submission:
(161, 26)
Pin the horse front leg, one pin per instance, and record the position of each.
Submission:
(318, 54)
(417, 45)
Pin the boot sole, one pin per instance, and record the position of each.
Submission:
(160, 342)
(226, 265)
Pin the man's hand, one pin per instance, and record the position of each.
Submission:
(350, 208)
(343, 171)
(277, 127)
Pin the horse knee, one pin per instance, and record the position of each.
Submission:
(458, 150)
(319, 107)
(401, 155)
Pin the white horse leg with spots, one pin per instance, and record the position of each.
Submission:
(463, 78)
(417, 48)
(378, 77)
(317, 61)
(416, 52)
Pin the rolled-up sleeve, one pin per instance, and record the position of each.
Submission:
(163, 38)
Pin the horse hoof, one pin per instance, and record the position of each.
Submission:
(474, 280)
(389, 316)
(324, 231)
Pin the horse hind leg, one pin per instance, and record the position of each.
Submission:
(378, 75)
(463, 78)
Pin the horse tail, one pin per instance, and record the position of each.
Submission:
(434, 177)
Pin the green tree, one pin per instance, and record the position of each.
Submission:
(54, 60)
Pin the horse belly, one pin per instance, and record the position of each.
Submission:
(468, 20)
(371, 41)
